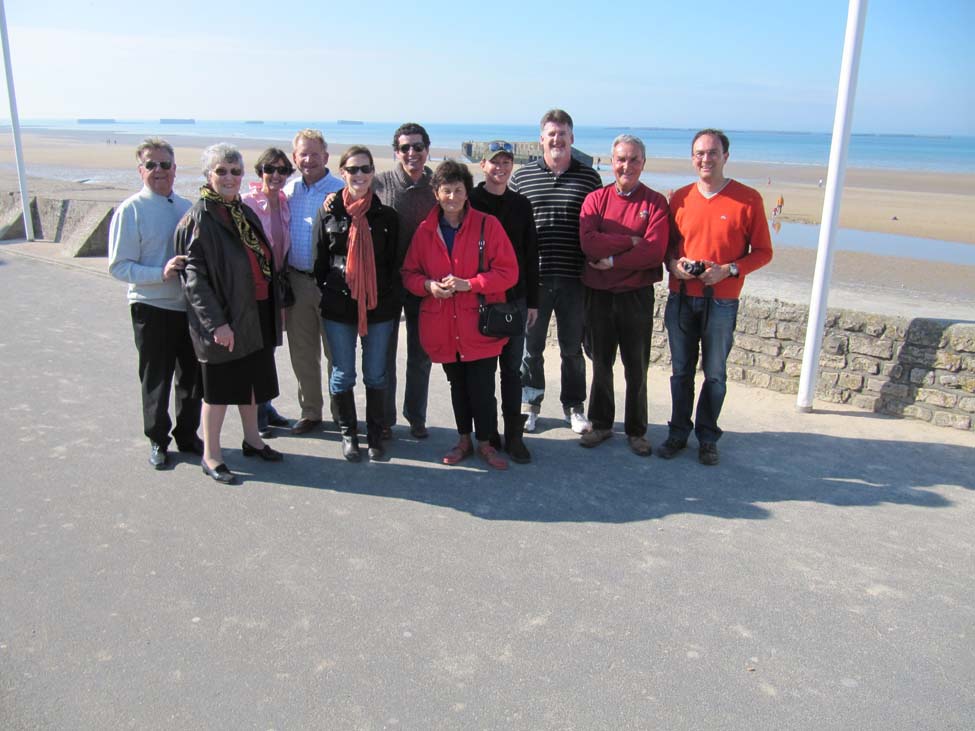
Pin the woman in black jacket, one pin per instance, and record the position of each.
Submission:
(234, 309)
(357, 269)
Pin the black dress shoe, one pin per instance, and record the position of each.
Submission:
(266, 433)
(419, 430)
(221, 473)
(267, 454)
(194, 447)
(158, 456)
(276, 419)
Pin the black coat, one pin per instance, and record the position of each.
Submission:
(331, 239)
(218, 282)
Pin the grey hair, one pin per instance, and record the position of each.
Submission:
(152, 144)
(220, 152)
(625, 139)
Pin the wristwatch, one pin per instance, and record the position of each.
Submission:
(733, 269)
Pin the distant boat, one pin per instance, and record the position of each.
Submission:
(349, 121)
(177, 121)
(254, 121)
(96, 120)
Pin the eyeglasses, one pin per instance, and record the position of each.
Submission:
(356, 169)
(279, 169)
(151, 165)
(417, 147)
(501, 147)
(701, 154)
(220, 172)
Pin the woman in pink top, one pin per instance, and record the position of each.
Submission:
(267, 199)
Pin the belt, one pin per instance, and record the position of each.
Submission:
(302, 272)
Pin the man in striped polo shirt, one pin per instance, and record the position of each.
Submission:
(556, 186)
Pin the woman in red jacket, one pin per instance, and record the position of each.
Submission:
(441, 266)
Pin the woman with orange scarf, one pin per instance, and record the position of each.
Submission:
(357, 268)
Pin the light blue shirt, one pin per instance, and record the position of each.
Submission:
(304, 202)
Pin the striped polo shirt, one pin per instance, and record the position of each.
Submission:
(556, 202)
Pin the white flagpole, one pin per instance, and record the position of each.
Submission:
(15, 126)
(842, 122)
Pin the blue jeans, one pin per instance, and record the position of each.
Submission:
(417, 371)
(710, 322)
(342, 338)
(565, 297)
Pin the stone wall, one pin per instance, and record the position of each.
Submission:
(916, 368)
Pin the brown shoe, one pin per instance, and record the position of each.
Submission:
(463, 450)
(640, 446)
(490, 455)
(595, 437)
(303, 426)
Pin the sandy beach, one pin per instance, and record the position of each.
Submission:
(81, 165)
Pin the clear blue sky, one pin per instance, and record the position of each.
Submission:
(743, 65)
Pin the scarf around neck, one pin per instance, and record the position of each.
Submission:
(360, 263)
(244, 230)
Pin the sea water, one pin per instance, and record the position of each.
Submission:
(899, 152)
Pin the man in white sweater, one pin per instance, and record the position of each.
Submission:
(141, 252)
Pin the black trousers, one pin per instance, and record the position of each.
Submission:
(623, 322)
(472, 396)
(162, 338)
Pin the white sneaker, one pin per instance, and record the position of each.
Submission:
(530, 421)
(579, 423)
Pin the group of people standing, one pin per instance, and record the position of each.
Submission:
(336, 261)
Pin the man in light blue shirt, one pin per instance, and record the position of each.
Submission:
(306, 337)
(141, 252)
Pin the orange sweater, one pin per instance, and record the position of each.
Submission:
(729, 227)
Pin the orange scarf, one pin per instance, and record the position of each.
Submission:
(360, 261)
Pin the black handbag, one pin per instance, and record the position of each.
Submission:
(500, 319)
(282, 283)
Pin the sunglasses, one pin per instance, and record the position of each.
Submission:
(151, 165)
(501, 147)
(220, 172)
(356, 169)
(417, 147)
(279, 169)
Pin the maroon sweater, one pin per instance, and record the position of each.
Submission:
(606, 226)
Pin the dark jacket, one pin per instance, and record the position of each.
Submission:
(515, 213)
(218, 282)
(331, 240)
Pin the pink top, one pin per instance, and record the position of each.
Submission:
(277, 231)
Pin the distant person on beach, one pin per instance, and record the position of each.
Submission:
(720, 224)
(357, 269)
(267, 199)
(556, 185)
(514, 211)
(306, 338)
(624, 232)
(406, 189)
(234, 307)
(443, 268)
(141, 252)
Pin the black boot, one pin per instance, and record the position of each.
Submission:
(514, 445)
(343, 406)
(374, 422)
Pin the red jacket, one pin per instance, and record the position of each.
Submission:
(448, 327)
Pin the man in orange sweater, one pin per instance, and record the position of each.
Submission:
(718, 234)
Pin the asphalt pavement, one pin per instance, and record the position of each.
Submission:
(822, 577)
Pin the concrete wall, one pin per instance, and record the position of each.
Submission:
(82, 226)
(916, 368)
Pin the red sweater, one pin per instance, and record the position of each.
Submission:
(448, 327)
(606, 226)
(729, 227)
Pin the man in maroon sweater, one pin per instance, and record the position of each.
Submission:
(624, 230)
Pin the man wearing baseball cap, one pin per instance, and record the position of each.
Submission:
(493, 196)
